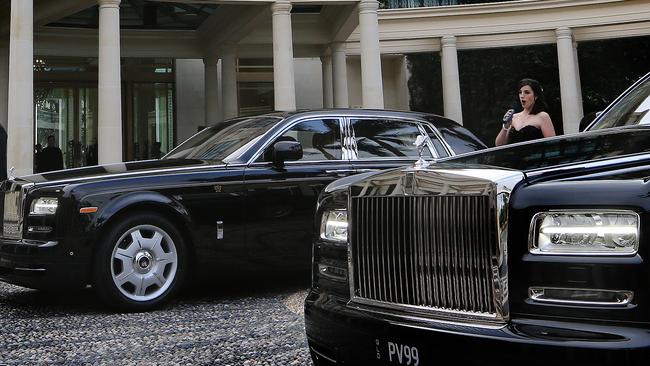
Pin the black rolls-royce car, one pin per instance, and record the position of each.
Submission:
(534, 253)
(235, 197)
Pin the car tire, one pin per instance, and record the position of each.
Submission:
(140, 263)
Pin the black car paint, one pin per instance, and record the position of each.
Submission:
(347, 332)
(266, 209)
(601, 169)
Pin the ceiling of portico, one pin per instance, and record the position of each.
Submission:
(188, 28)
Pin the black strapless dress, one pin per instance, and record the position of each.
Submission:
(526, 133)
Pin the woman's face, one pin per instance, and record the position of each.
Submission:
(526, 97)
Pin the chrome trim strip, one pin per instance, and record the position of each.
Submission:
(32, 243)
(591, 164)
(537, 294)
(532, 233)
(29, 269)
(320, 354)
(473, 322)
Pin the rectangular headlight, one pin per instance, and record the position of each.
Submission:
(44, 206)
(334, 226)
(585, 232)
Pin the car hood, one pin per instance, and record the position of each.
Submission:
(557, 153)
(135, 168)
(543, 159)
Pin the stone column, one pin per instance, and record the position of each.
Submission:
(371, 82)
(4, 83)
(578, 82)
(283, 73)
(109, 91)
(339, 76)
(211, 88)
(328, 97)
(450, 80)
(20, 102)
(402, 80)
(569, 89)
(229, 82)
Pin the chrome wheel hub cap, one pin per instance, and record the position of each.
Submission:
(144, 263)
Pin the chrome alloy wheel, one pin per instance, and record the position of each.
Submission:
(144, 262)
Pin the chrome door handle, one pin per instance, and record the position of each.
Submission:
(341, 171)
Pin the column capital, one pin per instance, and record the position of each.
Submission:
(281, 7)
(563, 32)
(368, 6)
(337, 47)
(108, 3)
(448, 41)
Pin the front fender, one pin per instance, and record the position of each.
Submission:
(113, 204)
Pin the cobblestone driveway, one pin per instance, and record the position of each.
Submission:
(249, 325)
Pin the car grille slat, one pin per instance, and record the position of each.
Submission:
(430, 252)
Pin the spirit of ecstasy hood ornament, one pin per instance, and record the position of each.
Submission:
(421, 144)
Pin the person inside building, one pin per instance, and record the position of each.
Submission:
(51, 157)
(533, 122)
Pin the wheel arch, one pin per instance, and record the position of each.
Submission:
(147, 201)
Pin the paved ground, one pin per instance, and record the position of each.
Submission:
(246, 324)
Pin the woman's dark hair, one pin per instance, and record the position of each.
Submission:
(538, 91)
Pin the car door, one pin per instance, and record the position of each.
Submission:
(382, 142)
(281, 200)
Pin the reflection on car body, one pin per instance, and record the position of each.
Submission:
(236, 197)
(531, 253)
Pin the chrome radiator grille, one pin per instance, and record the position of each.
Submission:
(12, 215)
(429, 252)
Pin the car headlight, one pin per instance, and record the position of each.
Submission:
(334, 226)
(585, 232)
(44, 206)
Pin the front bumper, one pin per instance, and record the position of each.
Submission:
(342, 334)
(41, 265)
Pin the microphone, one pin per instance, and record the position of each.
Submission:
(507, 118)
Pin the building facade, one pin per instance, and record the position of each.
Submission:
(127, 80)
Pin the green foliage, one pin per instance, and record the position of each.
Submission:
(489, 77)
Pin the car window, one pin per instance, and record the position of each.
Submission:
(320, 139)
(631, 110)
(437, 144)
(386, 138)
(460, 139)
(225, 141)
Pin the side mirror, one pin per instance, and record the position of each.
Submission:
(286, 151)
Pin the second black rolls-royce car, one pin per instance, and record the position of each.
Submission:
(237, 196)
(536, 253)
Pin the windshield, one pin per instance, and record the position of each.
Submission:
(225, 141)
(632, 109)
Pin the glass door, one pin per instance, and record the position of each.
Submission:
(152, 130)
(68, 113)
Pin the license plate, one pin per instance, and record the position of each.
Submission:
(397, 353)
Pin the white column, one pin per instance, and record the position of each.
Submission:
(328, 97)
(229, 82)
(371, 83)
(578, 82)
(568, 80)
(450, 79)
(20, 107)
(109, 92)
(339, 76)
(401, 84)
(283, 74)
(4, 84)
(211, 88)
